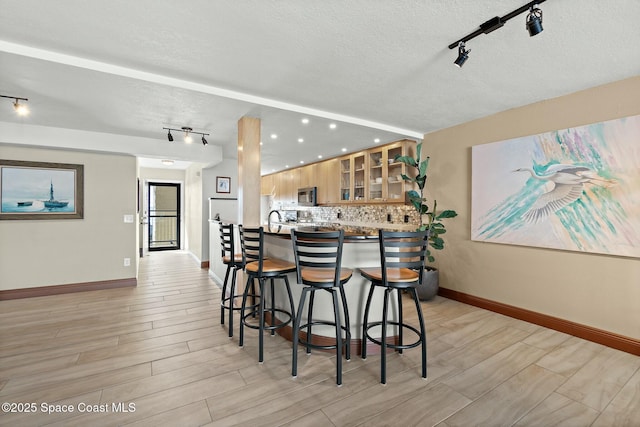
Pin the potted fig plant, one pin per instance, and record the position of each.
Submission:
(430, 219)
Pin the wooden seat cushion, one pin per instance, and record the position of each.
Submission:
(271, 265)
(324, 275)
(237, 259)
(394, 275)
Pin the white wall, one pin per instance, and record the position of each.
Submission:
(193, 212)
(36, 253)
(596, 290)
(229, 167)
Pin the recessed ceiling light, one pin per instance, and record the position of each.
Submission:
(319, 156)
(305, 121)
(344, 150)
(301, 140)
(274, 136)
(167, 162)
(286, 166)
(332, 126)
(260, 142)
(301, 162)
(376, 140)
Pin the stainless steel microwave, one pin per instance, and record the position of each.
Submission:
(307, 196)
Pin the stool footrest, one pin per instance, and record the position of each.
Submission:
(393, 346)
(272, 327)
(225, 302)
(323, 323)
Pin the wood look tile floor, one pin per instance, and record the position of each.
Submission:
(160, 347)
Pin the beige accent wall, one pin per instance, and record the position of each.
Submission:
(595, 290)
(56, 252)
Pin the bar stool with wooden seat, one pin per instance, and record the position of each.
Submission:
(318, 259)
(234, 262)
(258, 267)
(402, 255)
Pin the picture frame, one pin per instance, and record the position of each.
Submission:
(575, 189)
(41, 190)
(223, 184)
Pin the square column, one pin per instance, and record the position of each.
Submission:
(249, 171)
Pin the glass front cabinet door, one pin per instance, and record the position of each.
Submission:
(346, 173)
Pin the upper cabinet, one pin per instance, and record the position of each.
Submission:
(375, 176)
(266, 185)
(327, 179)
(346, 178)
(370, 176)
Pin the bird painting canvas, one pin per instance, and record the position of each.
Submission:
(573, 189)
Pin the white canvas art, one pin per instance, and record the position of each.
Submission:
(574, 189)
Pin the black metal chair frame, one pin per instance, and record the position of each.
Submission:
(252, 242)
(228, 251)
(321, 250)
(412, 246)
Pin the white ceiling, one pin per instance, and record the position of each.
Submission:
(378, 69)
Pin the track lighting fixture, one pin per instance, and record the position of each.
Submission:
(463, 55)
(21, 109)
(187, 134)
(534, 21)
(533, 25)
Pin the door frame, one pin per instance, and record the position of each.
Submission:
(144, 217)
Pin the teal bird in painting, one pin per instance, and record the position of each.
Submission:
(567, 185)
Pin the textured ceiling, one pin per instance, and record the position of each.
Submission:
(377, 69)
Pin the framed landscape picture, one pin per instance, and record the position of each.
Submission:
(40, 190)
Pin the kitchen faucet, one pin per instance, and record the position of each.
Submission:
(269, 218)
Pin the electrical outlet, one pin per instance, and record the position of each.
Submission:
(127, 262)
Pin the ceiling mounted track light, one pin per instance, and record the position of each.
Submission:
(21, 109)
(534, 21)
(533, 25)
(463, 55)
(187, 134)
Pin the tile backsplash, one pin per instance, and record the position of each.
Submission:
(377, 215)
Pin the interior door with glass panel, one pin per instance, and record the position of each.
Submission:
(164, 216)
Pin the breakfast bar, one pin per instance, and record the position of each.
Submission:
(360, 249)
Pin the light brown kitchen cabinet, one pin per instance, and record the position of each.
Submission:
(373, 176)
(346, 178)
(307, 178)
(266, 185)
(385, 174)
(327, 176)
(370, 176)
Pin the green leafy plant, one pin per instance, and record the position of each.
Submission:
(429, 219)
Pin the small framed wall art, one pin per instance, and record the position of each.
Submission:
(223, 184)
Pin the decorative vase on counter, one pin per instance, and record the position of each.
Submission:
(430, 284)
